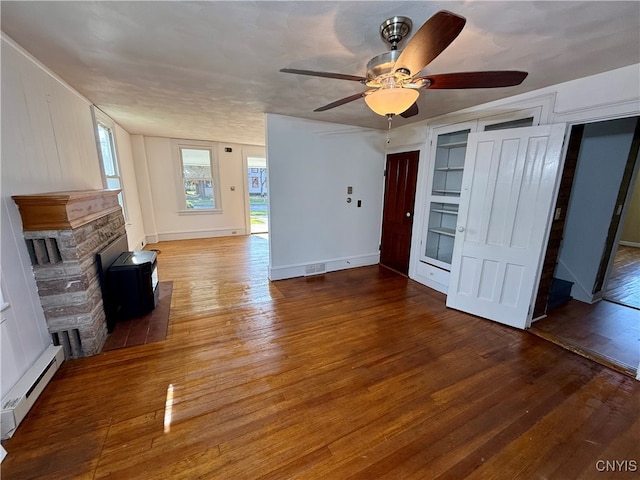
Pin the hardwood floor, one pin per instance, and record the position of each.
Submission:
(624, 283)
(358, 374)
(607, 331)
(604, 331)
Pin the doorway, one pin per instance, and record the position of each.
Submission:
(401, 175)
(623, 284)
(258, 194)
(594, 193)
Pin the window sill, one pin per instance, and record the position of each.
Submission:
(200, 211)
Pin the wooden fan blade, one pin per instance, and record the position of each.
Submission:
(342, 101)
(311, 73)
(488, 79)
(433, 37)
(411, 111)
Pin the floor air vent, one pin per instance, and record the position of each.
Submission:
(315, 269)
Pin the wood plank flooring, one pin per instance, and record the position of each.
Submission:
(624, 284)
(358, 374)
(605, 331)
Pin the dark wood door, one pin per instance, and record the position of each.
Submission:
(397, 219)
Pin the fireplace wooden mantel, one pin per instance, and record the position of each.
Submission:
(65, 210)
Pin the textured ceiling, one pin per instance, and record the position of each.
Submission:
(209, 70)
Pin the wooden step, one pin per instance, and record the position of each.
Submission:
(560, 292)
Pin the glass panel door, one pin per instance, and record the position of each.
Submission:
(442, 231)
(258, 194)
(448, 153)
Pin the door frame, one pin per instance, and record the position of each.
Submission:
(419, 204)
(246, 153)
(615, 228)
(550, 256)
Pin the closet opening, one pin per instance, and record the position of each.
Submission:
(593, 222)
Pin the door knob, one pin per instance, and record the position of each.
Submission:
(408, 214)
(461, 229)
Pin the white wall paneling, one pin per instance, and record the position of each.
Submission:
(48, 144)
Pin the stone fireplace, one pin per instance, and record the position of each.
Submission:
(64, 231)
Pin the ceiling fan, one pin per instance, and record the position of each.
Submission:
(393, 77)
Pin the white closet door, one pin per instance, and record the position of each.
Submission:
(508, 193)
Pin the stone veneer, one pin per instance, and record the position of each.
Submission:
(66, 273)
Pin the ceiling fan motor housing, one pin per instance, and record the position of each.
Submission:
(395, 29)
(382, 64)
(380, 69)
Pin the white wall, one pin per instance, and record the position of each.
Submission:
(134, 219)
(48, 144)
(145, 197)
(631, 227)
(310, 164)
(158, 173)
(603, 156)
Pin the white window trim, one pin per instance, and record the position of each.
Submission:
(177, 144)
(99, 117)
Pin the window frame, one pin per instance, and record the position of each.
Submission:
(212, 147)
(101, 119)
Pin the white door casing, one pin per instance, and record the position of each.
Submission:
(508, 193)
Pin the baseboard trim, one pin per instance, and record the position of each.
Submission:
(191, 234)
(629, 244)
(332, 265)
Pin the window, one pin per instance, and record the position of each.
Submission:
(199, 185)
(108, 157)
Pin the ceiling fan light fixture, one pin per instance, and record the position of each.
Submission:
(391, 101)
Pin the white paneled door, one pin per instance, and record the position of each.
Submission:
(508, 193)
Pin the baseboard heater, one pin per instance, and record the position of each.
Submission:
(24, 394)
